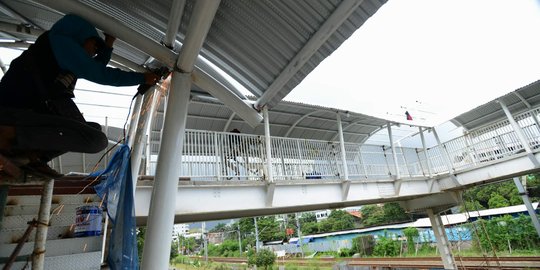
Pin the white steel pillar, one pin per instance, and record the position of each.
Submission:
(38, 256)
(161, 213)
(342, 147)
(346, 184)
(442, 240)
(528, 204)
(162, 205)
(519, 133)
(394, 156)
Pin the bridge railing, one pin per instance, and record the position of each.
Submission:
(232, 156)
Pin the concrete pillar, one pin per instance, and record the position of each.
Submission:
(442, 240)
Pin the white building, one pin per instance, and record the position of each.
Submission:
(180, 229)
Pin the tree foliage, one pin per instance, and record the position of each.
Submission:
(497, 195)
(505, 233)
(411, 233)
(264, 259)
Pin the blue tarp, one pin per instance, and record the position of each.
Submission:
(118, 189)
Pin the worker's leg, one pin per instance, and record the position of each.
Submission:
(52, 133)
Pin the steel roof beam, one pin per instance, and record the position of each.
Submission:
(340, 15)
(175, 18)
(149, 46)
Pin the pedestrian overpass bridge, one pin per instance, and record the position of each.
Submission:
(229, 175)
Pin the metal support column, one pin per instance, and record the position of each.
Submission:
(527, 202)
(519, 133)
(161, 212)
(442, 240)
(38, 256)
(162, 205)
(346, 184)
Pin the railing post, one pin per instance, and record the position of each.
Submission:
(394, 155)
(428, 161)
(470, 147)
(362, 161)
(218, 157)
(446, 157)
(519, 133)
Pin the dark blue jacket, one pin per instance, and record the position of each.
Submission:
(49, 69)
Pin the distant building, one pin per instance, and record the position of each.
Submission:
(180, 230)
(322, 215)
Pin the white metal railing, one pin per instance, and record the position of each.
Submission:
(231, 156)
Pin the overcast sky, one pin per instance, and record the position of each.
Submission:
(435, 58)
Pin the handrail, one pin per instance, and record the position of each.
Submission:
(222, 156)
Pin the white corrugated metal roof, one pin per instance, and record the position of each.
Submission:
(517, 101)
(265, 45)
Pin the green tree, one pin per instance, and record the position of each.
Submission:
(497, 200)
(363, 245)
(386, 247)
(141, 232)
(372, 215)
(340, 220)
(264, 259)
(411, 233)
(220, 227)
(393, 213)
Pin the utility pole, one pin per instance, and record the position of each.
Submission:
(299, 235)
(239, 239)
(256, 235)
(205, 243)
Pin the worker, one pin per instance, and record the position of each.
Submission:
(38, 117)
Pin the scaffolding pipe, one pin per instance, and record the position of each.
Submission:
(138, 144)
(38, 256)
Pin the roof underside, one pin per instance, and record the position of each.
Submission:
(517, 101)
(268, 47)
(252, 41)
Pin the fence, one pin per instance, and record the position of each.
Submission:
(223, 156)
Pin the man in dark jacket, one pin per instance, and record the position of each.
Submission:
(38, 118)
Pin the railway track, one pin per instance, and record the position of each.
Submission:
(471, 263)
